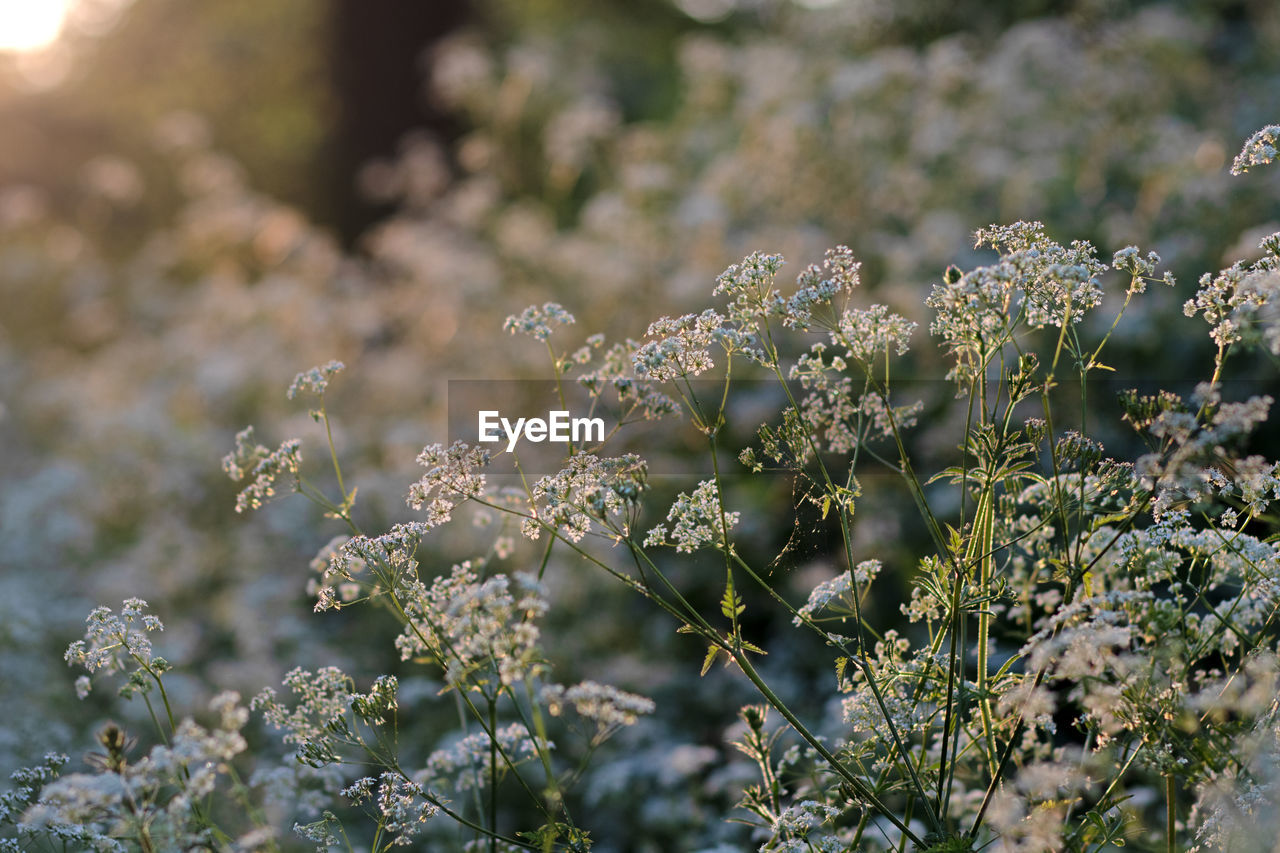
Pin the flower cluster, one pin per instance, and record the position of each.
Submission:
(537, 322)
(755, 300)
(114, 643)
(750, 283)
(636, 395)
(401, 805)
(329, 573)
(834, 594)
(465, 764)
(1057, 283)
(830, 409)
(607, 706)
(1140, 269)
(588, 489)
(266, 467)
(154, 799)
(1258, 150)
(697, 520)
(1242, 301)
(682, 346)
(315, 380)
(452, 476)
(865, 334)
(342, 563)
(820, 285)
(1193, 462)
(466, 625)
(1036, 281)
(314, 725)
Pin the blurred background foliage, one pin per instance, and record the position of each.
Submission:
(199, 200)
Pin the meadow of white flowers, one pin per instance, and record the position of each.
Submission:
(983, 556)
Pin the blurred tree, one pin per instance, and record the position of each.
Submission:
(375, 47)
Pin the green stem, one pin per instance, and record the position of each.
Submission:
(333, 452)
(493, 773)
(980, 549)
(857, 785)
(847, 541)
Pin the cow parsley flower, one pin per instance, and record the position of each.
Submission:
(821, 285)
(635, 394)
(865, 334)
(750, 283)
(1130, 260)
(150, 798)
(834, 593)
(391, 557)
(681, 346)
(266, 467)
(315, 380)
(695, 521)
(589, 488)
(606, 705)
(452, 476)
(1242, 302)
(113, 641)
(1055, 281)
(315, 723)
(402, 805)
(538, 322)
(467, 624)
(1258, 150)
(465, 763)
(1051, 284)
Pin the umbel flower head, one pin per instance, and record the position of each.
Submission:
(1258, 150)
(112, 642)
(266, 467)
(315, 380)
(696, 520)
(537, 321)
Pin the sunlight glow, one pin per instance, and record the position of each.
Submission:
(27, 25)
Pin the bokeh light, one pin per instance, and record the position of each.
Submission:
(26, 25)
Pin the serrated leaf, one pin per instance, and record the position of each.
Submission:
(1102, 521)
(710, 659)
(954, 539)
(955, 472)
(730, 605)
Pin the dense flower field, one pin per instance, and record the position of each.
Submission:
(923, 545)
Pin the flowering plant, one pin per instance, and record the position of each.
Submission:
(1088, 656)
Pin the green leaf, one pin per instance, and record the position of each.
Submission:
(954, 539)
(712, 651)
(730, 605)
(842, 663)
(955, 472)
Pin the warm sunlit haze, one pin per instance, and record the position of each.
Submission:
(30, 24)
